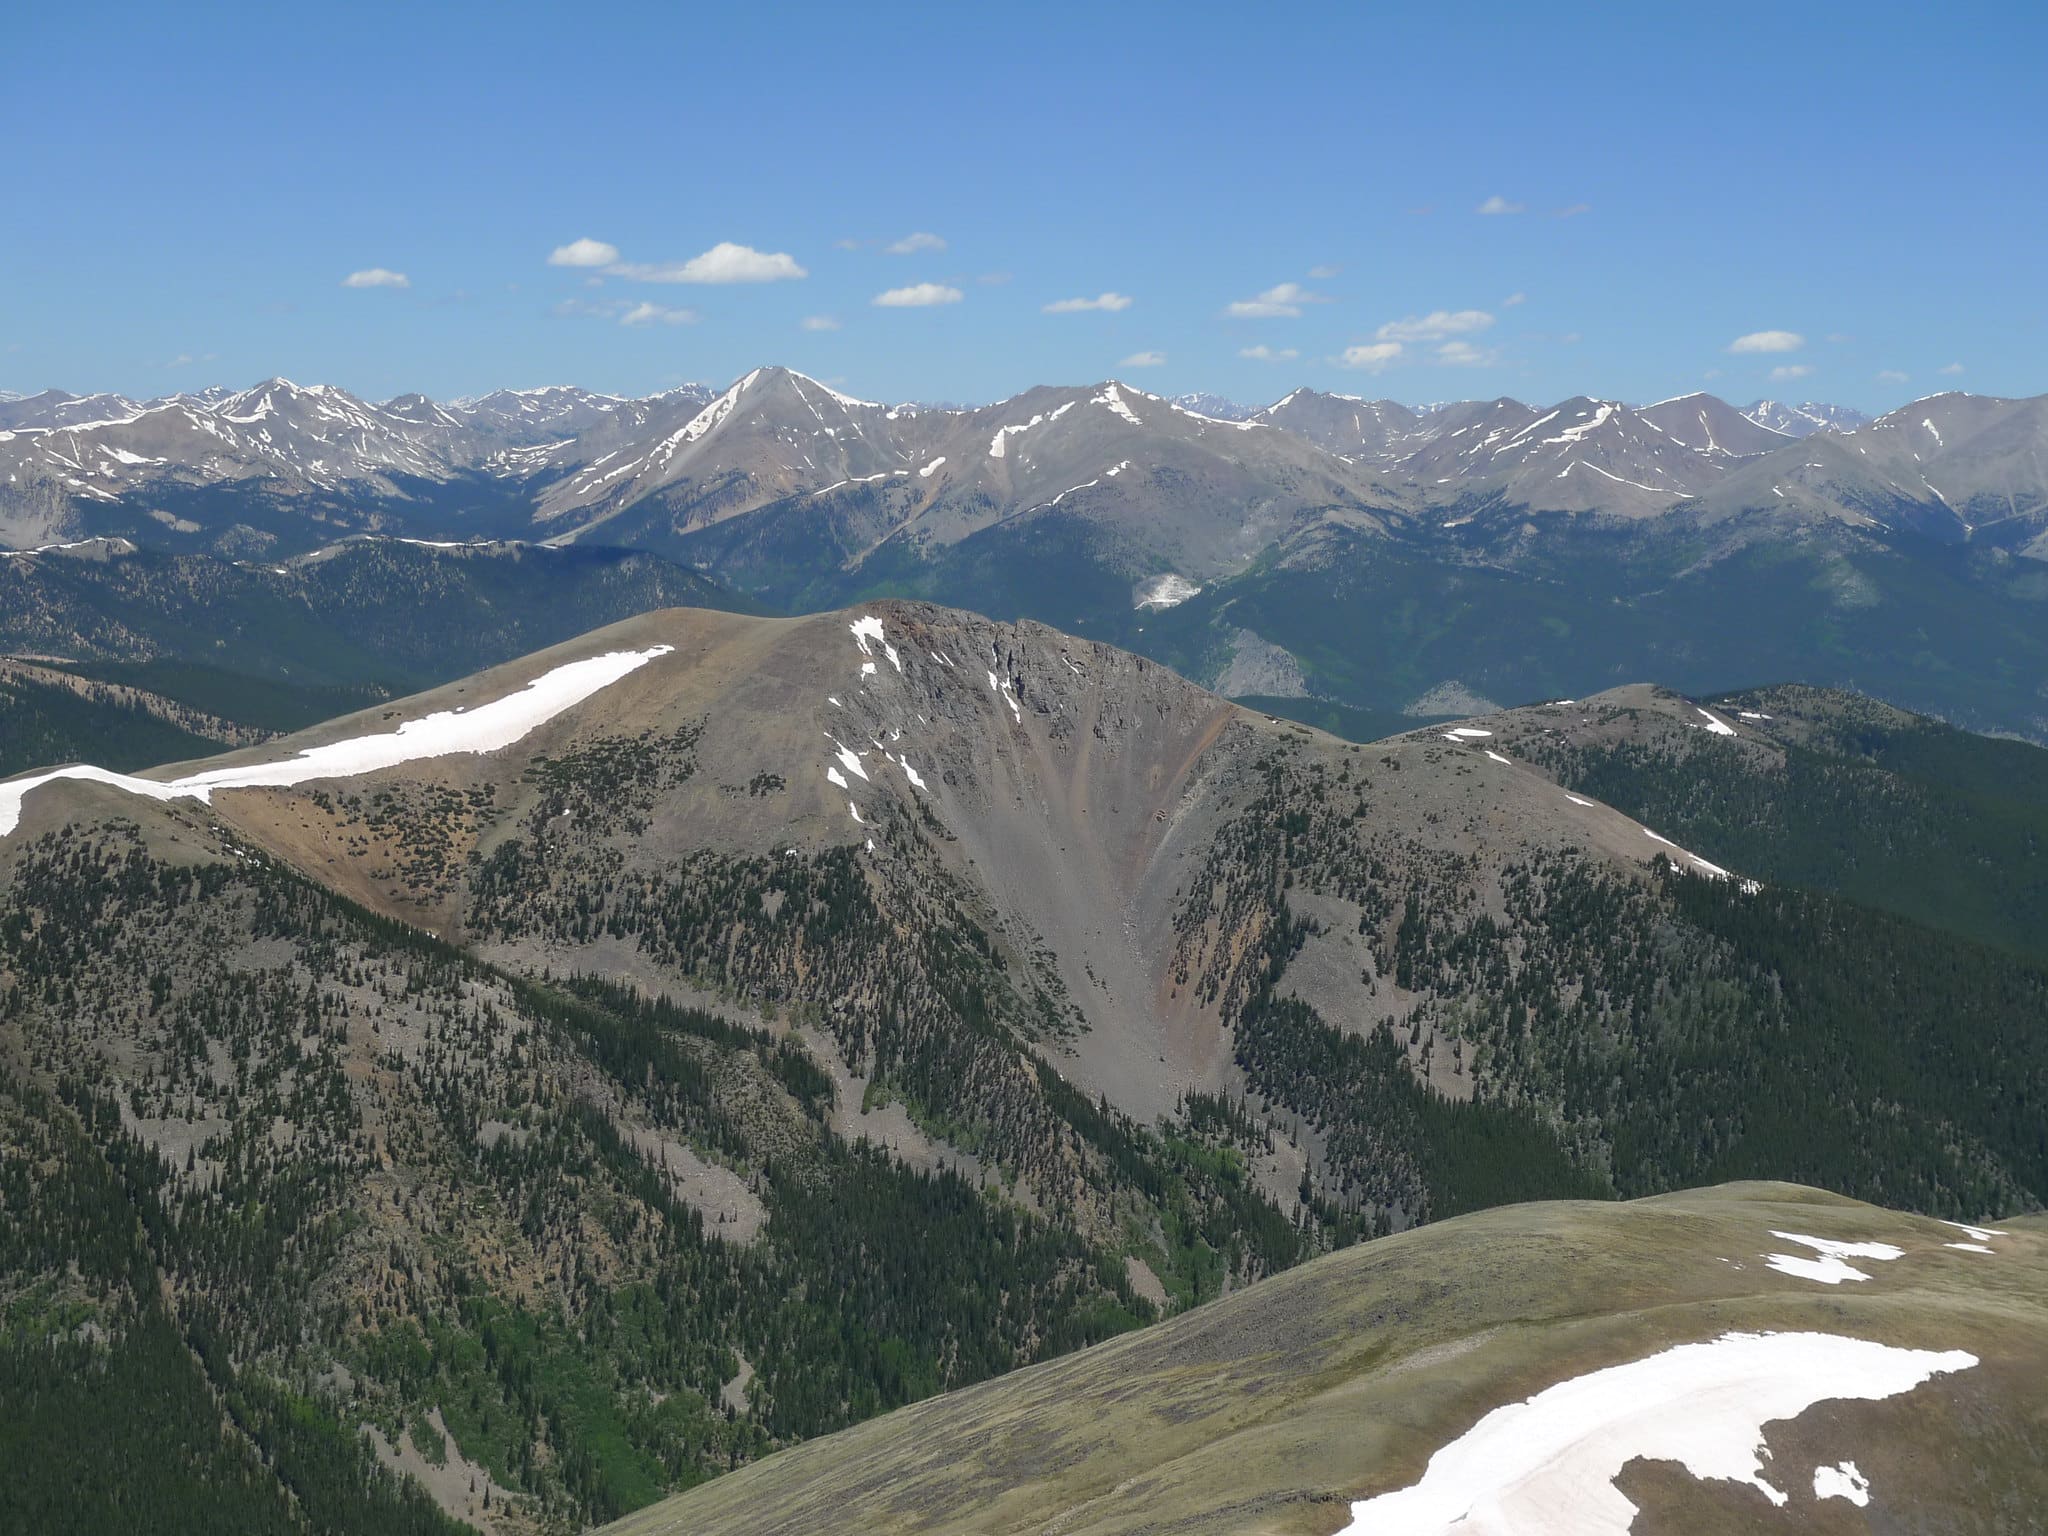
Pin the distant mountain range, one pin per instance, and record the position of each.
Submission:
(562, 462)
(1360, 551)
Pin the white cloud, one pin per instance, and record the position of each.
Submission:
(1952, 369)
(918, 296)
(657, 314)
(1112, 302)
(1324, 271)
(1572, 211)
(1513, 299)
(1265, 354)
(1144, 360)
(1435, 325)
(585, 252)
(1372, 356)
(725, 262)
(1786, 371)
(820, 323)
(376, 277)
(1462, 354)
(1499, 204)
(1890, 376)
(1768, 341)
(1281, 301)
(911, 244)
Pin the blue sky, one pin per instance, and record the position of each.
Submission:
(190, 187)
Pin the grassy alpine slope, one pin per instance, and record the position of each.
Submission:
(1269, 1411)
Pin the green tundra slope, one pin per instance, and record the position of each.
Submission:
(1271, 1410)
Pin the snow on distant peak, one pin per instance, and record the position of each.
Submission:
(1242, 423)
(845, 400)
(1112, 398)
(1598, 419)
(1165, 591)
(706, 419)
(997, 448)
(867, 627)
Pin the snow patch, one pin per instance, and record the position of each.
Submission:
(1573, 434)
(1841, 1481)
(1003, 688)
(1546, 1466)
(865, 628)
(1976, 1234)
(1164, 591)
(1829, 1268)
(1115, 401)
(1715, 724)
(446, 733)
(848, 759)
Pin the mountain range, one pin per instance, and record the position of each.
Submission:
(518, 1101)
(571, 461)
(1356, 552)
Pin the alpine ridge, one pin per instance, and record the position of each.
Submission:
(575, 459)
(715, 1030)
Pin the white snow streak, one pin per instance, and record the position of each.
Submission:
(446, 733)
(1115, 401)
(1977, 1234)
(1718, 726)
(865, 628)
